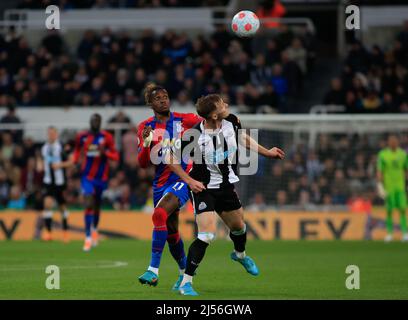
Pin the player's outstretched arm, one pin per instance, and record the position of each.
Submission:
(251, 144)
(174, 165)
(64, 164)
(380, 178)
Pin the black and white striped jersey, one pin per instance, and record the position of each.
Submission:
(53, 153)
(214, 153)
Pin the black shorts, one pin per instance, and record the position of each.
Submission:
(57, 192)
(218, 200)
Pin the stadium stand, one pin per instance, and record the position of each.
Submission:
(373, 80)
(110, 69)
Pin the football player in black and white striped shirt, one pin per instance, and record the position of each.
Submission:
(214, 149)
(53, 164)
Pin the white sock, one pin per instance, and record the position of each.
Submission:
(240, 255)
(154, 270)
(182, 271)
(186, 278)
(88, 239)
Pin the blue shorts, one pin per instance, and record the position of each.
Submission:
(178, 188)
(93, 187)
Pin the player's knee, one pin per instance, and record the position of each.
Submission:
(88, 201)
(207, 237)
(240, 229)
(48, 203)
(159, 217)
(47, 214)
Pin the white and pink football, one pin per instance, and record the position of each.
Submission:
(245, 23)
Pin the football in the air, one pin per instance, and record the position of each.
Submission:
(245, 23)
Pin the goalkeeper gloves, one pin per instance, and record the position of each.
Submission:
(381, 191)
(148, 140)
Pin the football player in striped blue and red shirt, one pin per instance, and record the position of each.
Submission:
(94, 148)
(157, 135)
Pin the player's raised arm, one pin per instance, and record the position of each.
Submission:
(77, 149)
(145, 135)
(380, 185)
(251, 144)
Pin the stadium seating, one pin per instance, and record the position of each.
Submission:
(373, 80)
(111, 69)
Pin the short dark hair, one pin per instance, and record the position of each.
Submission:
(206, 104)
(150, 90)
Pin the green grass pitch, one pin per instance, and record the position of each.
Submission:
(289, 270)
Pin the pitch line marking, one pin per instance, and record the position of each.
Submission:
(108, 264)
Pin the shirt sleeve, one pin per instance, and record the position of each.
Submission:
(77, 149)
(191, 119)
(111, 152)
(143, 156)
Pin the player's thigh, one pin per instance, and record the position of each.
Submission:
(174, 197)
(59, 196)
(88, 190)
(401, 199)
(229, 207)
(204, 210)
(391, 201)
(169, 202)
(234, 219)
(207, 222)
(48, 202)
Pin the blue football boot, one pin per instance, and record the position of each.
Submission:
(247, 262)
(150, 278)
(187, 290)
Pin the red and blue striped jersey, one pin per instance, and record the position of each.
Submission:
(164, 136)
(96, 150)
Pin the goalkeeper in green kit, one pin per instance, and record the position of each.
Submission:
(392, 165)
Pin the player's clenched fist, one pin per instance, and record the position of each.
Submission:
(147, 135)
(196, 186)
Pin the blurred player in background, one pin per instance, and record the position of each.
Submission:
(97, 147)
(211, 180)
(392, 165)
(156, 135)
(53, 164)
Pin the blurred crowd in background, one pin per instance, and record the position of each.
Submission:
(111, 68)
(373, 79)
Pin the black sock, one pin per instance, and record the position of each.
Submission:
(196, 253)
(65, 224)
(96, 219)
(48, 222)
(239, 241)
